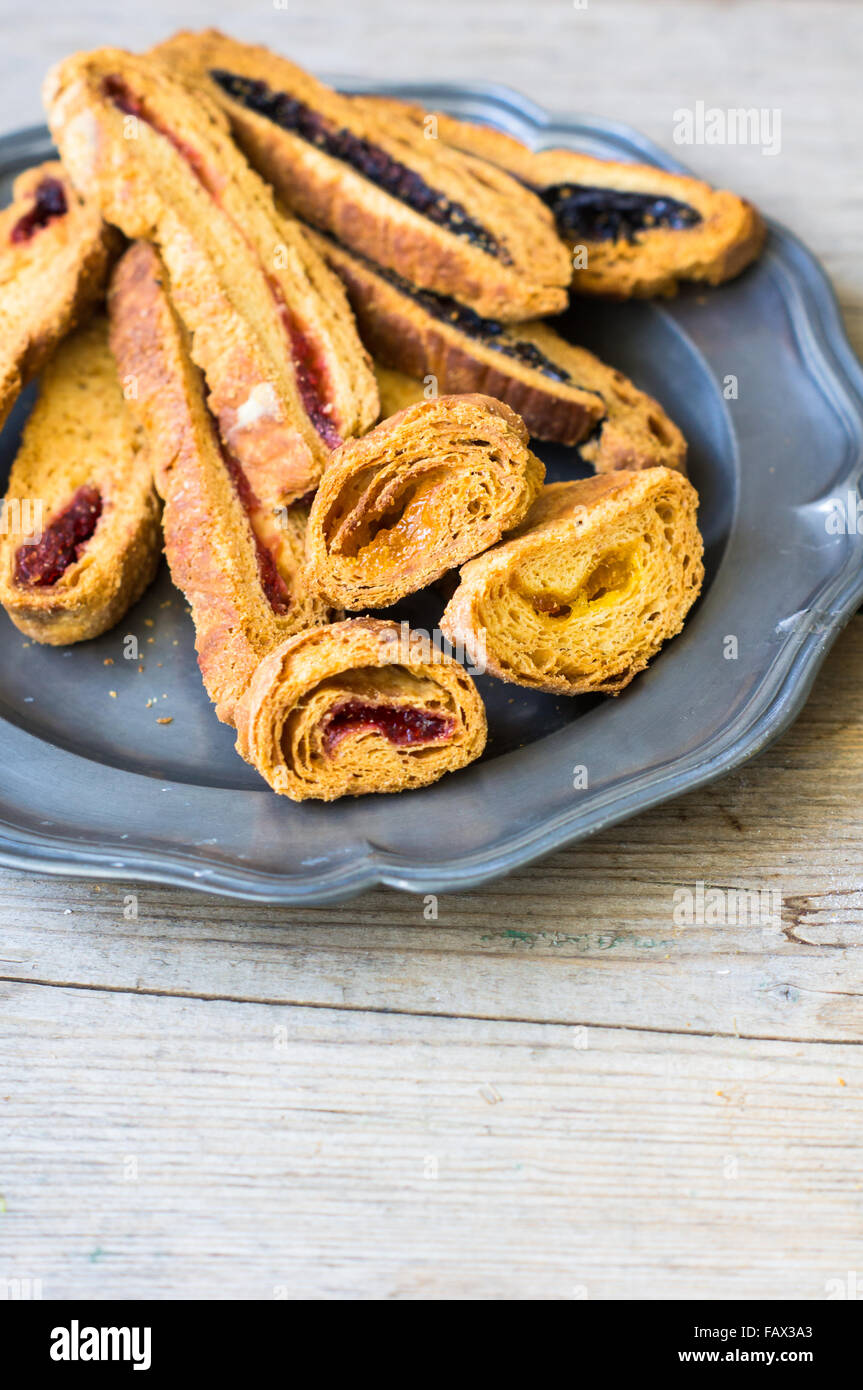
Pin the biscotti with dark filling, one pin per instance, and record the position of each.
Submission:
(563, 393)
(55, 252)
(433, 214)
(633, 230)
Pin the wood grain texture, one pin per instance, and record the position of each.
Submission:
(552, 1090)
(172, 1147)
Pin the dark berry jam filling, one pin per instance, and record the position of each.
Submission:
(62, 541)
(612, 214)
(489, 332)
(49, 203)
(367, 159)
(272, 583)
(403, 725)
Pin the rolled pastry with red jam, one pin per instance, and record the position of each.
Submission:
(55, 252)
(432, 214)
(354, 708)
(633, 229)
(417, 496)
(238, 558)
(268, 322)
(601, 574)
(81, 538)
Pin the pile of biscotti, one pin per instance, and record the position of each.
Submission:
(230, 276)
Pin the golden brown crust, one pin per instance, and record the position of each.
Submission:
(527, 278)
(209, 540)
(600, 574)
(269, 323)
(307, 721)
(728, 238)
(81, 435)
(419, 495)
(425, 339)
(50, 281)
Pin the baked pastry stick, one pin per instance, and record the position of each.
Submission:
(269, 323)
(358, 707)
(423, 492)
(641, 230)
(563, 393)
(55, 251)
(441, 218)
(81, 538)
(602, 572)
(238, 561)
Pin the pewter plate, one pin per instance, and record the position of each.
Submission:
(92, 785)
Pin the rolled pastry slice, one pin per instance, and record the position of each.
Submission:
(563, 393)
(238, 561)
(55, 251)
(358, 707)
(81, 538)
(603, 571)
(424, 491)
(269, 323)
(433, 214)
(641, 230)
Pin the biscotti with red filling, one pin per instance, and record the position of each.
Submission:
(81, 538)
(55, 252)
(268, 322)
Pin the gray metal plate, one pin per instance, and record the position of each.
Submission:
(92, 785)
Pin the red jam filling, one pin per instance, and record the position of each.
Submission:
(61, 542)
(118, 92)
(272, 583)
(308, 370)
(49, 203)
(403, 725)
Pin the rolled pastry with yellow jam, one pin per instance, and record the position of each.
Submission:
(601, 574)
(417, 496)
(356, 708)
(81, 538)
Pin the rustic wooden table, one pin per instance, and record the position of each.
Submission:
(552, 1091)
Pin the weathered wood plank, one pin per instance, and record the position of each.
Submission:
(327, 1153)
